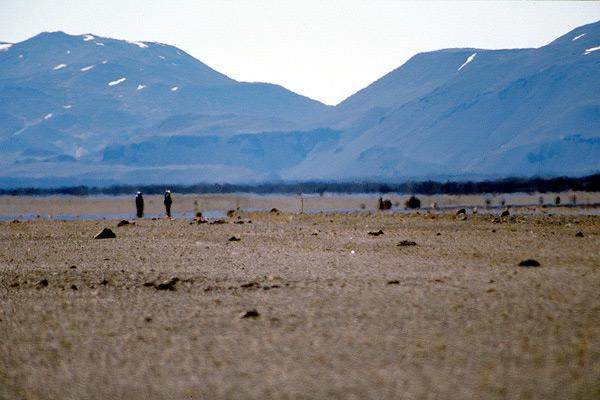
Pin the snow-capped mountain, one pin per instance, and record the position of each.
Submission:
(86, 109)
(473, 112)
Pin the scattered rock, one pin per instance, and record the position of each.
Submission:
(394, 282)
(505, 213)
(105, 233)
(250, 314)
(15, 221)
(438, 234)
(379, 232)
(148, 284)
(218, 222)
(104, 282)
(579, 234)
(231, 213)
(384, 204)
(74, 287)
(42, 284)
(148, 319)
(274, 211)
(250, 285)
(234, 239)
(73, 267)
(13, 285)
(407, 243)
(198, 214)
(167, 285)
(530, 262)
(123, 222)
(461, 211)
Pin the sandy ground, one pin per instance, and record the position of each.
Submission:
(341, 314)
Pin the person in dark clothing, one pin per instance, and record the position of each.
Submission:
(139, 204)
(168, 201)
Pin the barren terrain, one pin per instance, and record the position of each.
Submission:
(320, 306)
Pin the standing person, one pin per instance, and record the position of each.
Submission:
(168, 201)
(139, 204)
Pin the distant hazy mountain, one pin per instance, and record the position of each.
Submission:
(473, 112)
(86, 109)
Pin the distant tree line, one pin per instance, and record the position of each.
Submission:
(589, 183)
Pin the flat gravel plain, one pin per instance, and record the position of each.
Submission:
(323, 306)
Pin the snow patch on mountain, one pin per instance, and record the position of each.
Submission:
(113, 83)
(5, 46)
(86, 68)
(469, 59)
(67, 106)
(48, 116)
(87, 38)
(140, 87)
(174, 88)
(141, 45)
(60, 66)
(591, 50)
(578, 36)
(99, 44)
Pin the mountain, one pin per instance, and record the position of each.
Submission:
(92, 110)
(65, 99)
(473, 112)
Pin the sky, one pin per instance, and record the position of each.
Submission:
(326, 50)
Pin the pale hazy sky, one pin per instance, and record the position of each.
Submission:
(326, 50)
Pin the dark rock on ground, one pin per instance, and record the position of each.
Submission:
(124, 222)
(105, 233)
(42, 284)
(407, 243)
(74, 287)
(251, 314)
(579, 234)
(413, 202)
(461, 211)
(379, 232)
(394, 282)
(218, 222)
(167, 285)
(104, 282)
(530, 262)
(250, 285)
(234, 239)
(274, 211)
(505, 213)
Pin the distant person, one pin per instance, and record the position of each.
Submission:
(139, 204)
(557, 201)
(168, 201)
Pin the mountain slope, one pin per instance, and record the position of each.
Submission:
(473, 112)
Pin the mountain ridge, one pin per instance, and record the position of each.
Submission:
(66, 99)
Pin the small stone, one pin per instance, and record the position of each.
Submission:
(407, 243)
(234, 239)
(42, 284)
(123, 223)
(167, 285)
(530, 262)
(104, 282)
(579, 234)
(13, 285)
(438, 234)
(379, 232)
(105, 233)
(74, 287)
(394, 282)
(218, 222)
(461, 211)
(73, 267)
(250, 314)
(274, 211)
(148, 319)
(505, 213)
(250, 285)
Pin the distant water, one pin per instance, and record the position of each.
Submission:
(215, 214)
